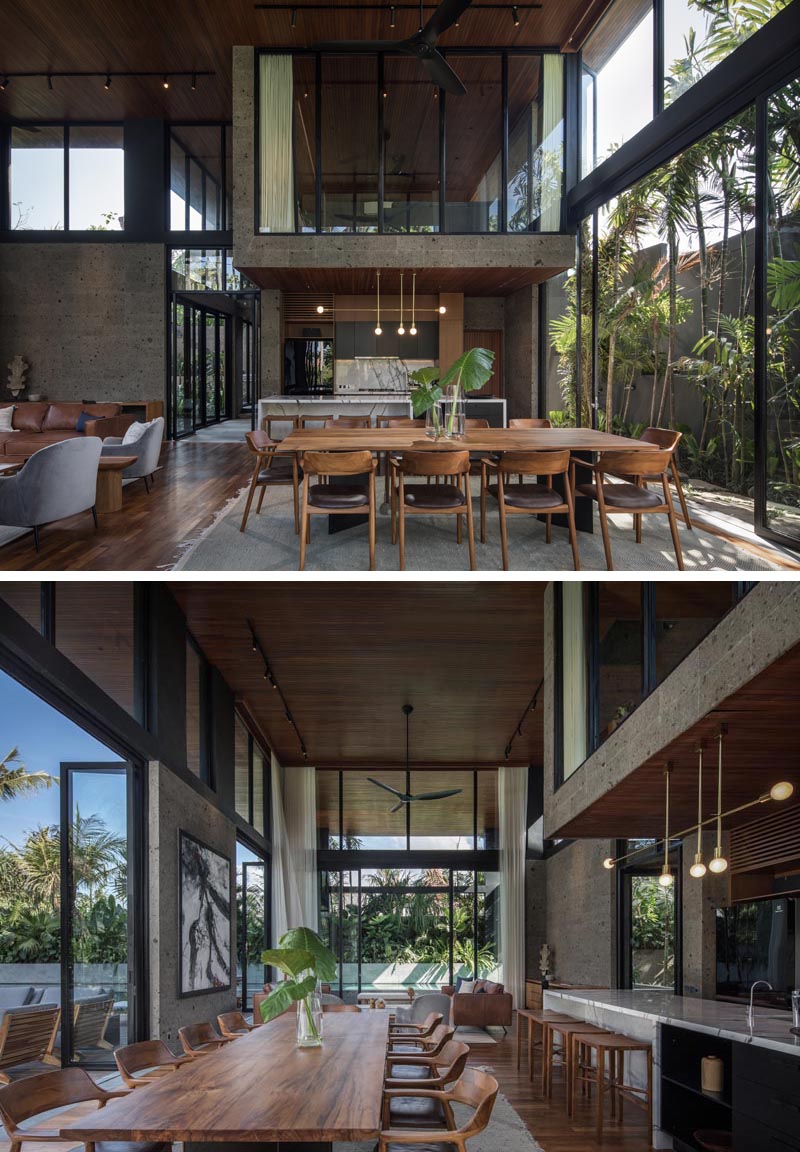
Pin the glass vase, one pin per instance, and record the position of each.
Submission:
(454, 415)
(309, 1021)
(434, 421)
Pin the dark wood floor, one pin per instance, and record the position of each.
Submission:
(195, 481)
(547, 1121)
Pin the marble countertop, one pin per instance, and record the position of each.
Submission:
(338, 398)
(729, 1021)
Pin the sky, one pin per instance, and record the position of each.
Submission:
(46, 738)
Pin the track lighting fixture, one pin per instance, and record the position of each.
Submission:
(515, 16)
(269, 675)
(165, 82)
(698, 868)
(4, 83)
(194, 82)
(718, 863)
(294, 17)
(50, 83)
(107, 84)
(391, 17)
(518, 730)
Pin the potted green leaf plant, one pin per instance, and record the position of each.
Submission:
(469, 373)
(304, 960)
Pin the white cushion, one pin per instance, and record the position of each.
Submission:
(466, 986)
(134, 433)
(6, 416)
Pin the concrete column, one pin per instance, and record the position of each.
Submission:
(522, 351)
(271, 343)
(698, 927)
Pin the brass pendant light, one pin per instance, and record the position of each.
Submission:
(718, 863)
(401, 330)
(413, 328)
(666, 878)
(698, 868)
(378, 329)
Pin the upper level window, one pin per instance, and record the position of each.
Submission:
(67, 177)
(326, 152)
(200, 176)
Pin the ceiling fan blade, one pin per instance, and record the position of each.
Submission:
(397, 807)
(442, 74)
(357, 46)
(438, 795)
(388, 788)
(443, 18)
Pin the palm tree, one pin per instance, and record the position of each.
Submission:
(15, 781)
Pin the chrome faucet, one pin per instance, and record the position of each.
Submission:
(750, 1016)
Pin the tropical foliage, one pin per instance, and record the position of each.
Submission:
(675, 285)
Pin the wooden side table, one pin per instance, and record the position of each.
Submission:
(109, 482)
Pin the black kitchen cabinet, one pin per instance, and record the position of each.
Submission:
(427, 340)
(345, 340)
(766, 1099)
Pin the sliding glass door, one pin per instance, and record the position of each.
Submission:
(252, 919)
(202, 355)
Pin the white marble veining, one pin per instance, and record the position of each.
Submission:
(638, 1014)
(375, 374)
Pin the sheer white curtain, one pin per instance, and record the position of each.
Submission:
(512, 792)
(552, 142)
(276, 161)
(294, 852)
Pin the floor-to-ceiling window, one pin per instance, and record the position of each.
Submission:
(648, 918)
(252, 917)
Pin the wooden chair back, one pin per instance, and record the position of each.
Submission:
(194, 1036)
(431, 1021)
(349, 422)
(46, 1092)
(434, 463)
(311, 418)
(478, 1090)
(338, 463)
(260, 443)
(666, 438)
(438, 1038)
(27, 1036)
(647, 462)
(146, 1054)
(90, 1022)
(535, 463)
(232, 1024)
(402, 422)
(475, 424)
(452, 1060)
(340, 1008)
(530, 422)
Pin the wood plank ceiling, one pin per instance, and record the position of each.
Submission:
(96, 35)
(361, 282)
(761, 748)
(467, 656)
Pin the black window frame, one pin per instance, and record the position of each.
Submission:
(225, 215)
(503, 54)
(266, 755)
(647, 864)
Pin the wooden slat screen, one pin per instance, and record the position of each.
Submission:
(770, 842)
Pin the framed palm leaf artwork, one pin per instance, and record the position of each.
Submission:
(205, 918)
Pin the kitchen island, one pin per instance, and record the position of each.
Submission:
(760, 1100)
(372, 404)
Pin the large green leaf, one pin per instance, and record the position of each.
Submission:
(471, 371)
(290, 961)
(426, 375)
(284, 995)
(423, 398)
(324, 965)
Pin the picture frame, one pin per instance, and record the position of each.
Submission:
(205, 918)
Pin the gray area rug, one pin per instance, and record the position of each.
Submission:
(505, 1132)
(270, 545)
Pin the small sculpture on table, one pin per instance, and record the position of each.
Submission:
(545, 956)
(16, 376)
(410, 993)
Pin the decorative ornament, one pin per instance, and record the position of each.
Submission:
(16, 376)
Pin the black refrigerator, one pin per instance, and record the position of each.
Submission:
(308, 367)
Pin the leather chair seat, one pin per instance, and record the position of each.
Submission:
(625, 497)
(410, 1072)
(432, 1146)
(433, 496)
(337, 496)
(537, 497)
(130, 1146)
(415, 1112)
(279, 472)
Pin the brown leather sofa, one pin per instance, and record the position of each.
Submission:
(488, 1006)
(38, 424)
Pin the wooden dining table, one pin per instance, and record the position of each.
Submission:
(261, 1088)
(583, 442)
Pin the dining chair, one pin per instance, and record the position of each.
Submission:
(348, 422)
(201, 1039)
(428, 1071)
(631, 497)
(452, 498)
(431, 1045)
(529, 499)
(150, 1057)
(49, 1092)
(233, 1024)
(477, 1090)
(270, 470)
(28, 1036)
(530, 422)
(394, 422)
(668, 439)
(419, 1030)
(341, 499)
(340, 1008)
(307, 418)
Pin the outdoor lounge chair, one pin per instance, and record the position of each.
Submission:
(27, 1036)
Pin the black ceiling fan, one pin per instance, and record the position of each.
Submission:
(421, 45)
(406, 797)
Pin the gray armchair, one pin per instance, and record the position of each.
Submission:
(57, 481)
(147, 448)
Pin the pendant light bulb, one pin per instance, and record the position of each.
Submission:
(781, 791)
(401, 330)
(413, 328)
(666, 879)
(442, 309)
(378, 329)
(320, 309)
(698, 868)
(608, 863)
(718, 863)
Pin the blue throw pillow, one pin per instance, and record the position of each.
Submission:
(460, 980)
(83, 419)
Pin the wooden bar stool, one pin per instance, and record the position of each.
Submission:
(564, 1029)
(535, 1018)
(348, 422)
(593, 1072)
(307, 418)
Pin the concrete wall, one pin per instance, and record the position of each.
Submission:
(698, 926)
(90, 319)
(174, 805)
(522, 352)
(581, 914)
(271, 343)
(484, 312)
